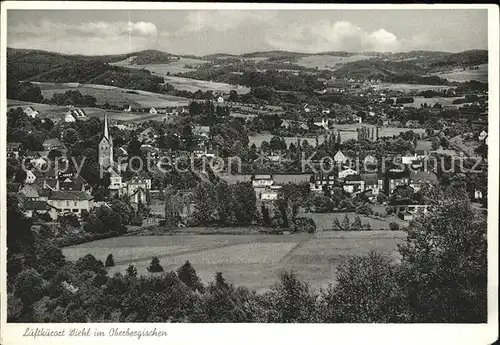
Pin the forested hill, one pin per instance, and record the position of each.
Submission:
(36, 65)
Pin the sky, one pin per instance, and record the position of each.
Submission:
(203, 32)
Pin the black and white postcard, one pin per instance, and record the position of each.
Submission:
(186, 173)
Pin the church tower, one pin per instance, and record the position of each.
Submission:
(106, 146)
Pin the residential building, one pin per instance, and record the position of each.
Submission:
(409, 212)
(76, 113)
(30, 177)
(68, 202)
(482, 136)
(203, 150)
(354, 184)
(147, 136)
(31, 112)
(260, 181)
(31, 207)
(321, 122)
(369, 159)
(220, 99)
(339, 157)
(395, 179)
(419, 179)
(54, 144)
(13, 150)
(153, 111)
(374, 182)
(346, 172)
(320, 181)
(269, 193)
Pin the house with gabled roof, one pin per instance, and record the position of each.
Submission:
(63, 202)
(31, 112)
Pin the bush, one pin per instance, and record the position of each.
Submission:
(393, 226)
(69, 219)
(110, 262)
(364, 209)
(44, 217)
(155, 266)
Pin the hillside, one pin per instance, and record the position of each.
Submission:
(32, 65)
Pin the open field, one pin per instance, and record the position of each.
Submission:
(411, 87)
(175, 66)
(115, 96)
(480, 74)
(348, 131)
(324, 221)
(254, 261)
(257, 139)
(193, 85)
(330, 62)
(187, 84)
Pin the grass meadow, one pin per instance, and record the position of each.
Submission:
(254, 261)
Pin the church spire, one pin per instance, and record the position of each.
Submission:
(106, 132)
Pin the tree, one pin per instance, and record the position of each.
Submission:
(90, 263)
(345, 223)
(187, 275)
(366, 291)
(110, 262)
(225, 203)
(393, 226)
(131, 271)
(266, 219)
(336, 224)
(435, 143)
(356, 225)
(292, 300)
(29, 287)
(155, 266)
(290, 198)
(123, 209)
(445, 143)
(206, 203)
(244, 203)
(172, 202)
(444, 269)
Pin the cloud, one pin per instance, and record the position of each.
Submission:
(224, 20)
(83, 38)
(326, 35)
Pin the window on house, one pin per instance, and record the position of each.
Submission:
(67, 203)
(75, 210)
(75, 204)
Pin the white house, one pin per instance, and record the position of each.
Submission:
(321, 122)
(270, 193)
(153, 111)
(31, 112)
(370, 160)
(129, 109)
(30, 177)
(69, 202)
(340, 157)
(482, 136)
(220, 99)
(260, 181)
(69, 117)
(347, 172)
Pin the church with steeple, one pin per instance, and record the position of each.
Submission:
(134, 187)
(106, 147)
